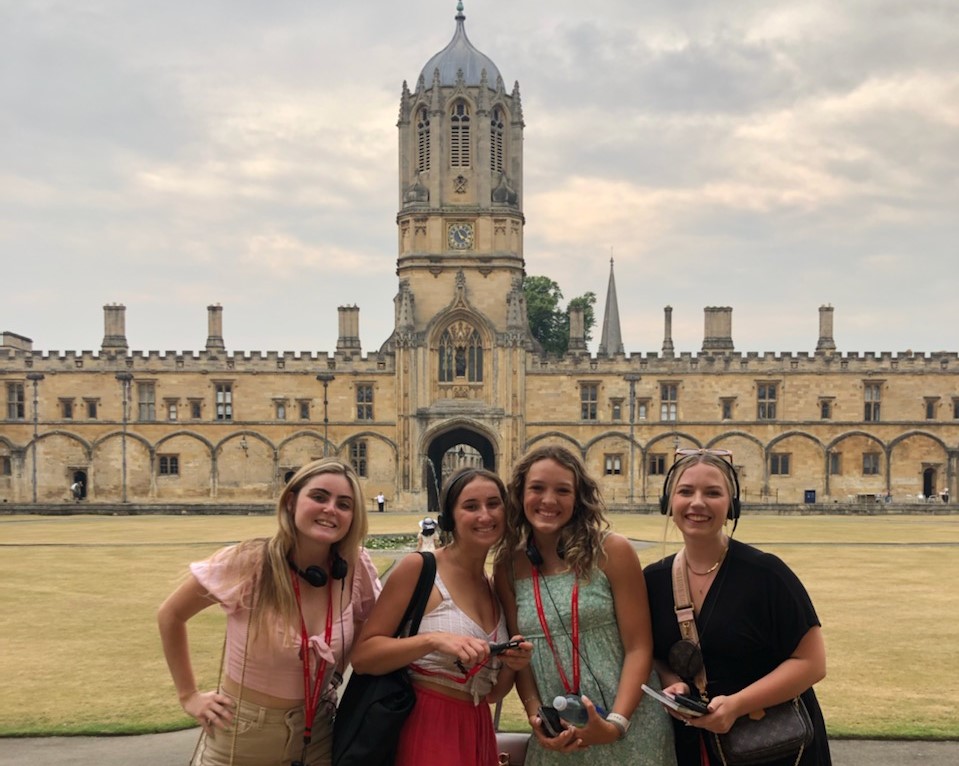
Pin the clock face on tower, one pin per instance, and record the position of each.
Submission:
(460, 236)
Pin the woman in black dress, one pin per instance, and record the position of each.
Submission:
(760, 639)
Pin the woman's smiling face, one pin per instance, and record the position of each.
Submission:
(480, 512)
(549, 496)
(700, 500)
(323, 509)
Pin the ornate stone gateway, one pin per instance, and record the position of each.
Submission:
(450, 451)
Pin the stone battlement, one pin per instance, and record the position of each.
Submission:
(188, 361)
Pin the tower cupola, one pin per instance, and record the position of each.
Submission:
(460, 56)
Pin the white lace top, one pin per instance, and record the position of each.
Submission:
(449, 618)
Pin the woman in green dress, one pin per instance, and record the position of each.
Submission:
(576, 591)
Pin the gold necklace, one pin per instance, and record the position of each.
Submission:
(713, 568)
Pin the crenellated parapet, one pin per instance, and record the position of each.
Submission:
(753, 362)
(13, 360)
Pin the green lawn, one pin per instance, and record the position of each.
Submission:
(81, 653)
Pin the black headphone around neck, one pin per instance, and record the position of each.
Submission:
(316, 575)
(735, 507)
(535, 557)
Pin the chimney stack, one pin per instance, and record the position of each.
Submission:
(577, 330)
(826, 342)
(114, 328)
(214, 322)
(668, 350)
(718, 336)
(349, 340)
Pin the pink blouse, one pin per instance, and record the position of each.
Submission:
(277, 669)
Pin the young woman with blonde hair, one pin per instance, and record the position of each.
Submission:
(293, 603)
(758, 641)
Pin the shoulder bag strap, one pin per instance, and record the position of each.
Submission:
(421, 595)
(685, 615)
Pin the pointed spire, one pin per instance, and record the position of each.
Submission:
(405, 103)
(611, 342)
(404, 303)
(517, 103)
(436, 105)
(482, 104)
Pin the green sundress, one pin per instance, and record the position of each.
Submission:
(650, 738)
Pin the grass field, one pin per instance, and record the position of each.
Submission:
(81, 654)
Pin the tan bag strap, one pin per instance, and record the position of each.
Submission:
(686, 617)
(239, 699)
(685, 613)
(219, 684)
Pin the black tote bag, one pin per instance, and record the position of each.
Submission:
(374, 708)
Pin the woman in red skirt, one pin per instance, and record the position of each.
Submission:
(455, 672)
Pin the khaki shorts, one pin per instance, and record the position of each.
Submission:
(266, 737)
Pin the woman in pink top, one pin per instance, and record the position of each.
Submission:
(293, 604)
(450, 662)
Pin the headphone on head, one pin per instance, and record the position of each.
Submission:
(444, 520)
(316, 575)
(533, 554)
(735, 507)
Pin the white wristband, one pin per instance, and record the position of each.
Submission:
(621, 722)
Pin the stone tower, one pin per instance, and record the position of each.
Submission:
(460, 221)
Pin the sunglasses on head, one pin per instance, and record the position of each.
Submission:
(678, 464)
(687, 452)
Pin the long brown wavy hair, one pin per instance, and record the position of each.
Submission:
(275, 599)
(582, 537)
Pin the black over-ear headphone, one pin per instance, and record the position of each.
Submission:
(734, 507)
(535, 557)
(444, 519)
(316, 576)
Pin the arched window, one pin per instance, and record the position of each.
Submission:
(460, 135)
(496, 141)
(423, 140)
(461, 354)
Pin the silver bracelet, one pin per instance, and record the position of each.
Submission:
(621, 722)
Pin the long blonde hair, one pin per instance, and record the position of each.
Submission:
(582, 537)
(274, 597)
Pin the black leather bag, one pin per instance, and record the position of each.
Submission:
(511, 747)
(374, 708)
(783, 731)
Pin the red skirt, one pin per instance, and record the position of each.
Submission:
(443, 730)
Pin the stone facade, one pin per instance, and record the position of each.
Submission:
(461, 379)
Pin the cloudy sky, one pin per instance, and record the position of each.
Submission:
(769, 155)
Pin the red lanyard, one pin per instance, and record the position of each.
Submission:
(311, 699)
(467, 674)
(574, 639)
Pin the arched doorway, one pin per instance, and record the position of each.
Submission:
(929, 482)
(80, 480)
(449, 452)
